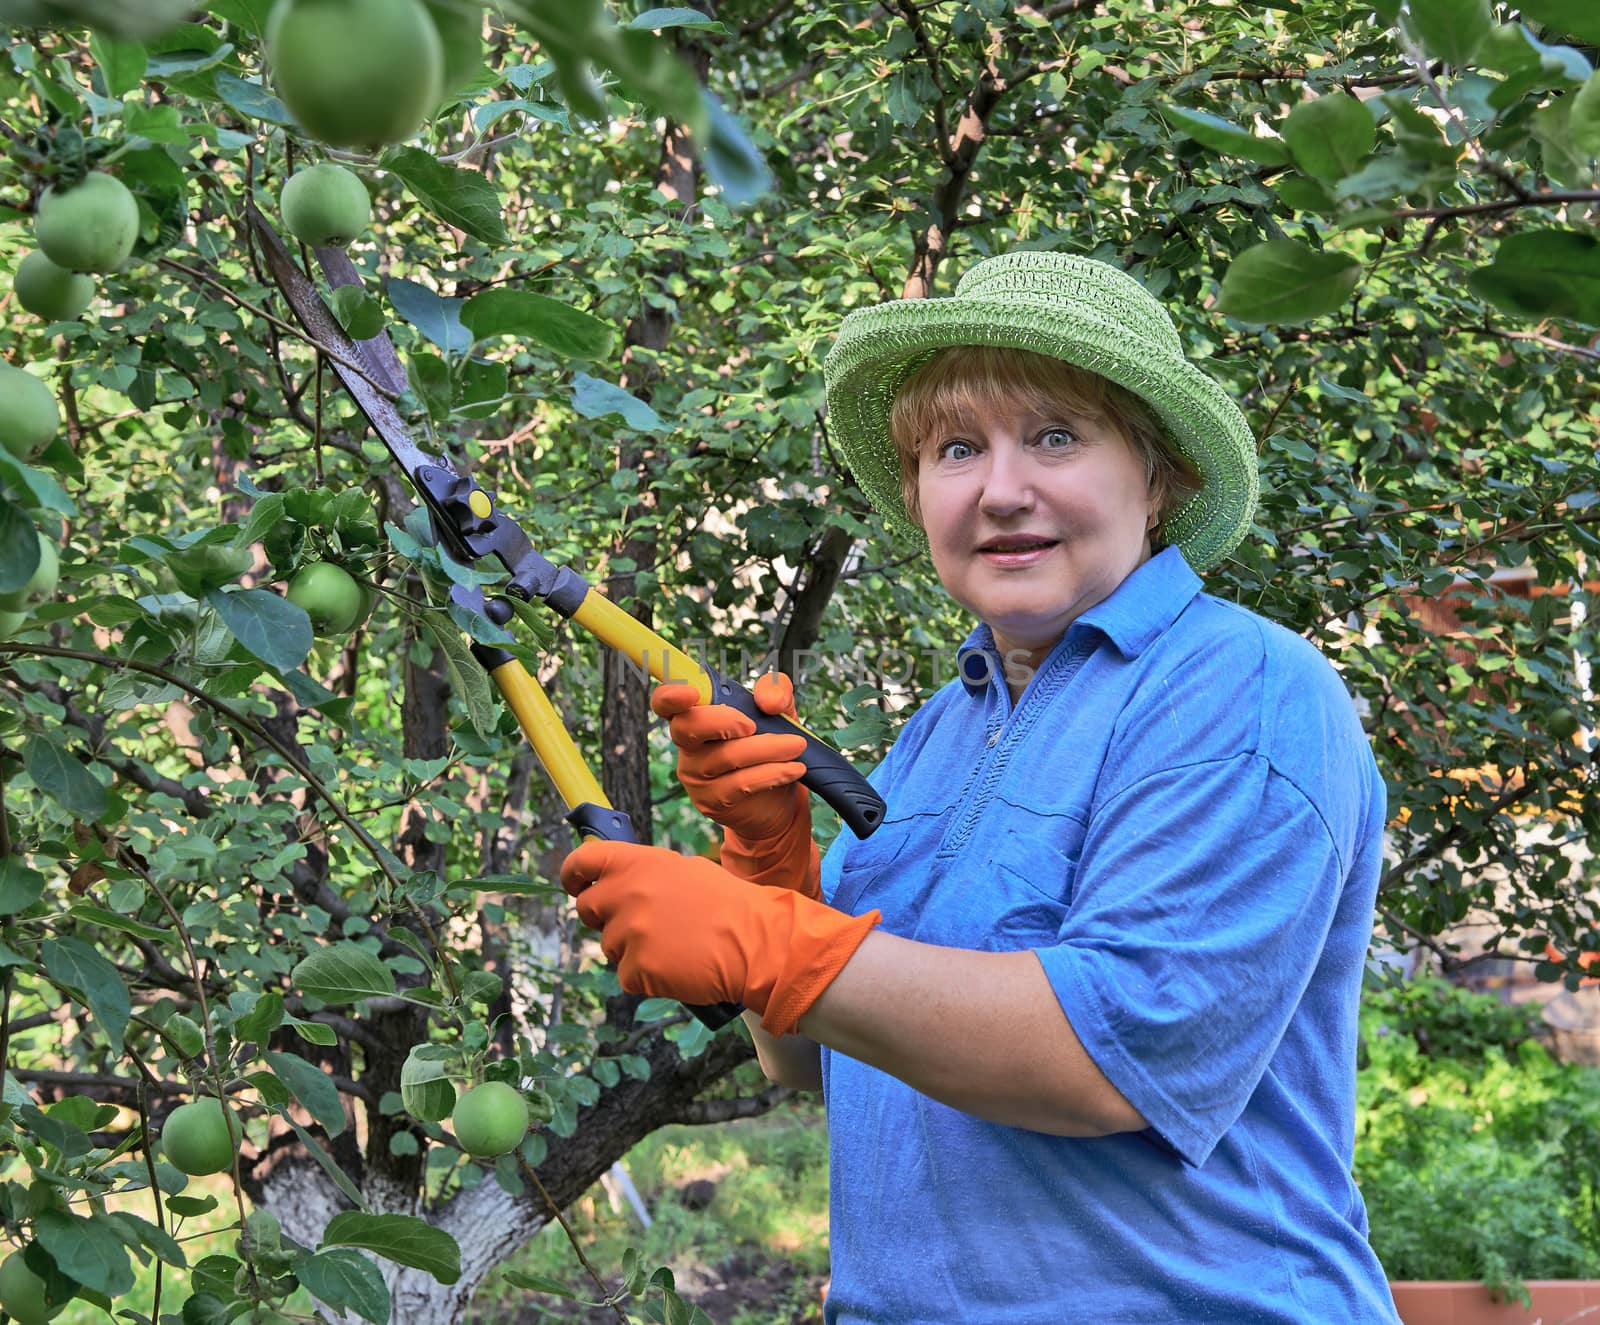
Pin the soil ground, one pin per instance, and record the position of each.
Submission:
(745, 1289)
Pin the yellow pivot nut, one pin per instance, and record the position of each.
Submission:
(481, 506)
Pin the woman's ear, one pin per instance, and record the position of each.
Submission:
(1157, 491)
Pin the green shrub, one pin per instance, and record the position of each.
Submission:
(1478, 1153)
(1444, 1020)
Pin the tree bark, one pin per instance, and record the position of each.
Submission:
(825, 561)
(489, 1223)
(960, 152)
(625, 720)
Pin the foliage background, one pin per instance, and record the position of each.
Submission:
(200, 817)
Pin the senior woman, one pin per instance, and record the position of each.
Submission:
(1084, 1007)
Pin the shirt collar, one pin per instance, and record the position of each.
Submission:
(1136, 613)
(1142, 607)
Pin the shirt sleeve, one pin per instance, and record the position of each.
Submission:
(1201, 902)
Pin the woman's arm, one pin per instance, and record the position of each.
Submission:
(788, 1060)
(979, 1031)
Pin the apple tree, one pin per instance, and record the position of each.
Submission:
(267, 835)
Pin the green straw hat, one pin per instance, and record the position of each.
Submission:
(1085, 312)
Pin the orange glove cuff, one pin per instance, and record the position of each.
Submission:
(820, 942)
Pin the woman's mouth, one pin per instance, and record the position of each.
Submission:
(1008, 553)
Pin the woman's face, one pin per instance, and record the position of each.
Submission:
(1033, 518)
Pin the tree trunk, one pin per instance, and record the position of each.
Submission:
(488, 1223)
(626, 714)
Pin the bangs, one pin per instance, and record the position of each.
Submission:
(961, 381)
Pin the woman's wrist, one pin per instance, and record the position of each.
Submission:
(788, 860)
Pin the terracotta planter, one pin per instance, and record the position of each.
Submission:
(1585, 960)
(1459, 1302)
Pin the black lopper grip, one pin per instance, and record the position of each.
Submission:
(828, 773)
(614, 826)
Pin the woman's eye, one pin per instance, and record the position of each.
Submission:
(955, 449)
(1057, 439)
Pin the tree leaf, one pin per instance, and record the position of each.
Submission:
(19, 547)
(264, 515)
(1330, 135)
(482, 388)
(20, 887)
(313, 1032)
(1224, 136)
(98, 915)
(1304, 195)
(70, 1140)
(272, 628)
(436, 317)
(358, 312)
(250, 99)
(430, 378)
(489, 112)
(594, 398)
(467, 676)
(537, 1283)
(89, 1250)
(1578, 18)
(315, 1149)
(1449, 30)
(1583, 120)
(162, 1243)
(461, 198)
(1564, 160)
(343, 973)
(733, 162)
(402, 1238)
(425, 1088)
(567, 330)
(657, 19)
(257, 1025)
(122, 63)
(73, 962)
(39, 484)
(1544, 273)
(62, 775)
(344, 1279)
(1283, 281)
(312, 1087)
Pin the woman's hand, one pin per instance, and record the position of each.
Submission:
(681, 927)
(747, 782)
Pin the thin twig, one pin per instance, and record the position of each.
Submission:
(280, 324)
(241, 721)
(1554, 198)
(572, 1237)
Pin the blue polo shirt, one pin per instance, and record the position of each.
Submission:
(1182, 819)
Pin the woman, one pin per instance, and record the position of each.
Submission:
(1084, 1007)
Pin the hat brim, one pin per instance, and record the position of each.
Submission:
(880, 347)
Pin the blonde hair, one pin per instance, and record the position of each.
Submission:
(961, 380)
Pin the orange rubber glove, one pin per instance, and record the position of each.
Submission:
(681, 927)
(748, 783)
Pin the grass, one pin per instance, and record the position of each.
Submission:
(754, 1253)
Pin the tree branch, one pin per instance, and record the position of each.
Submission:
(1555, 198)
(704, 1113)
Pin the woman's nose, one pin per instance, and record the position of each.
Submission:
(1007, 484)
